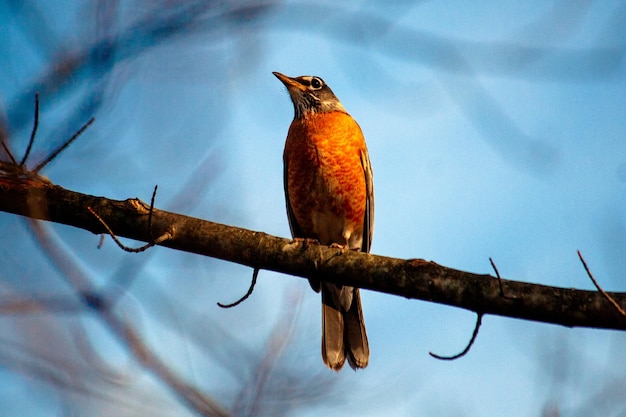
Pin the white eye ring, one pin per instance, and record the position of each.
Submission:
(316, 83)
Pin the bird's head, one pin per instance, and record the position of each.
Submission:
(309, 95)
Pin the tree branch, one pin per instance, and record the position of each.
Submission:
(413, 278)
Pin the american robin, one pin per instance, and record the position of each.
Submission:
(329, 193)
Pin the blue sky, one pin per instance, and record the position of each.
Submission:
(493, 132)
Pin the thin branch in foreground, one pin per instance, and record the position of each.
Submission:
(255, 274)
(604, 293)
(63, 147)
(479, 319)
(33, 133)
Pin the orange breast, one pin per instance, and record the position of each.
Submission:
(325, 177)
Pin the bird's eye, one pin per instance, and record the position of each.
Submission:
(316, 83)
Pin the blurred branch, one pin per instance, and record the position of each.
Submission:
(95, 58)
(82, 284)
(413, 278)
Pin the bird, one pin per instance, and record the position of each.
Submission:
(329, 194)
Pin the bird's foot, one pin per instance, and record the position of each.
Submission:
(342, 248)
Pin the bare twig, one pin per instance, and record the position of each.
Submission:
(115, 239)
(33, 132)
(121, 245)
(479, 319)
(604, 293)
(63, 147)
(114, 292)
(165, 236)
(8, 151)
(156, 186)
(255, 274)
(493, 265)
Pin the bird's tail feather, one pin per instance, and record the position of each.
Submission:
(357, 346)
(343, 332)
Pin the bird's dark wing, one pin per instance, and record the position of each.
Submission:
(296, 231)
(368, 221)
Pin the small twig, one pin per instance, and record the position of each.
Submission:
(62, 147)
(114, 292)
(255, 274)
(493, 265)
(151, 210)
(165, 236)
(604, 293)
(479, 319)
(8, 151)
(33, 132)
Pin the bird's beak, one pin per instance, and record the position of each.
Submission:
(290, 83)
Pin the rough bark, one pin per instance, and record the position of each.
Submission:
(412, 278)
